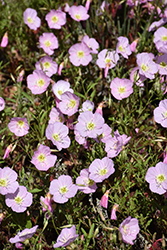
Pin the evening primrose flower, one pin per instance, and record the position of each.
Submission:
(121, 88)
(84, 183)
(8, 183)
(56, 19)
(19, 200)
(62, 189)
(91, 43)
(38, 82)
(104, 199)
(101, 169)
(58, 134)
(4, 41)
(113, 212)
(48, 42)
(123, 47)
(42, 158)
(27, 233)
(162, 64)
(56, 116)
(87, 106)
(80, 54)
(78, 13)
(31, 19)
(157, 178)
(129, 229)
(66, 237)
(47, 65)
(160, 113)
(19, 126)
(60, 87)
(160, 39)
(69, 103)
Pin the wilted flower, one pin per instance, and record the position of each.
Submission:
(42, 158)
(121, 88)
(31, 19)
(129, 229)
(47, 65)
(62, 189)
(78, 13)
(27, 233)
(4, 41)
(84, 183)
(157, 178)
(19, 126)
(8, 183)
(2, 103)
(80, 54)
(7, 151)
(160, 113)
(19, 200)
(66, 237)
(48, 42)
(38, 82)
(56, 19)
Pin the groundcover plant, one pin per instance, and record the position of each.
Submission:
(83, 118)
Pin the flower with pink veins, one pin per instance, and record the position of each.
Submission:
(19, 126)
(56, 19)
(31, 19)
(58, 134)
(121, 88)
(66, 237)
(107, 60)
(69, 103)
(19, 200)
(80, 54)
(38, 82)
(62, 189)
(27, 233)
(78, 13)
(48, 42)
(123, 47)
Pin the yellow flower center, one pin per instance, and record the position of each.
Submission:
(160, 178)
(107, 60)
(55, 19)
(60, 92)
(72, 103)
(164, 38)
(46, 65)
(125, 229)
(3, 182)
(103, 171)
(56, 137)
(41, 157)
(18, 200)
(20, 123)
(121, 48)
(144, 67)
(90, 125)
(163, 64)
(47, 43)
(164, 114)
(78, 16)
(40, 82)
(63, 190)
(121, 90)
(29, 19)
(80, 54)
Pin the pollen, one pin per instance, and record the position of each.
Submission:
(63, 190)
(121, 90)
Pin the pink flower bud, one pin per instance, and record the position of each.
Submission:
(60, 68)
(133, 45)
(113, 212)
(99, 109)
(20, 77)
(106, 70)
(87, 5)
(7, 151)
(104, 199)
(4, 41)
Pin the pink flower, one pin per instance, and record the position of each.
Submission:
(8, 183)
(129, 229)
(133, 45)
(20, 77)
(62, 189)
(48, 42)
(58, 134)
(107, 60)
(42, 158)
(113, 212)
(80, 139)
(157, 178)
(84, 183)
(87, 5)
(101, 169)
(2, 103)
(162, 64)
(27, 233)
(89, 124)
(80, 54)
(100, 109)
(106, 133)
(160, 39)
(160, 113)
(87, 106)
(19, 126)
(46, 204)
(47, 65)
(91, 43)
(56, 116)
(69, 103)
(38, 82)
(136, 77)
(78, 13)
(121, 88)
(31, 19)
(60, 68)
(55, 19)
(7, 151)
(104, 199)
(146, 65)
(60, 87)
(123, 47)
(4, 41)
(19, 200)
(66, 237)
